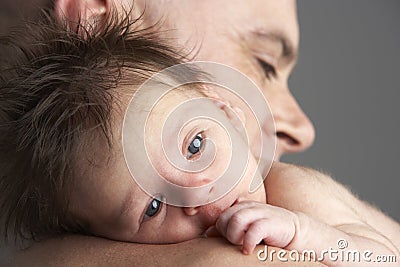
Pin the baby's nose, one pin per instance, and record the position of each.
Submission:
(207, 214)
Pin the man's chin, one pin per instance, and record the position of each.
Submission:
(264, 166)
(277, 156)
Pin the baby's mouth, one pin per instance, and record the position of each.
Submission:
(235, 202)
(212, 231)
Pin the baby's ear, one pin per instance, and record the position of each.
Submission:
(84, 11)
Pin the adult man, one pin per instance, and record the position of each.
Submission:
(260, 39)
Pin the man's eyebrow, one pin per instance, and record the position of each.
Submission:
(288, 49)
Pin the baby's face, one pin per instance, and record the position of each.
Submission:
(113, 204)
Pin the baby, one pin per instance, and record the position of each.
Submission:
(63, 97)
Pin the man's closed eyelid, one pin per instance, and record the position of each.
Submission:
(267, 58)
(268, 69)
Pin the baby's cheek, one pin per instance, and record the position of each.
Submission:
(176, 227)
(210, 213)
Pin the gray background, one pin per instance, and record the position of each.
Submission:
(347, 81)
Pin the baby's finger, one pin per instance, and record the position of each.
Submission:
(239, 223)
(222, 222)
(273, 234)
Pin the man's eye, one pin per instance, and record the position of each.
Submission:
(153, 208)
(195, 146)
(268, 69)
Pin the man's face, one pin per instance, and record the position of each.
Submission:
(259, 38)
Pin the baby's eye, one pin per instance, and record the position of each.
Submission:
(153, 209)
(195, 146)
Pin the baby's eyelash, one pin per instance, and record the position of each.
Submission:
(153, 208)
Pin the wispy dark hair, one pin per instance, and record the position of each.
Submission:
(55, 87)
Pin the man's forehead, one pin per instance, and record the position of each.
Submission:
(202, 22)
(168, 13)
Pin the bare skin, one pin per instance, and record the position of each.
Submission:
(305, 188)
(242, 218)
(299, 195)
(365, 226)
(259, 38)
(91, 251)
(80, 250)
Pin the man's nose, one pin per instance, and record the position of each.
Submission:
(294, 130)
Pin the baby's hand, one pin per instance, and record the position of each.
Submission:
(247, 223)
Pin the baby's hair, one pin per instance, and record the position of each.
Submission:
(55, 88)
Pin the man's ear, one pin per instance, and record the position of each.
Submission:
(85, 11)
